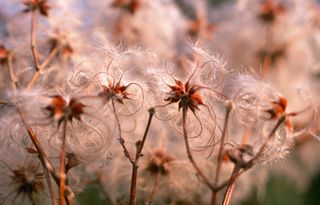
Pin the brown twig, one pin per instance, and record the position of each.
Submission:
(220, 157)
(39, 68)
(51, 55)
(63, 165)
(33, 40)
(230, 188)
(121, 140)
(135, 165)
(190, 157)
(47, 167)
(246, 166)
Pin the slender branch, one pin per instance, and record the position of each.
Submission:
(222, 142)
(63, 164)
(228, 181)
(51, 55)
(47, 166)
(33, 40)
(247, 165)
(230, 188)
(133, 187)
(185, 135)
(121, 140)
(135, 165)
(52, 195)
(140, 147)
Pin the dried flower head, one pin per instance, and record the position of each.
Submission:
(278, 110)
(61, 110)
(237, 154)
(269, 10)
(37, 5)
(187, 96)
(159, 163)
(129, 5)
(26, 180)
(115, 92)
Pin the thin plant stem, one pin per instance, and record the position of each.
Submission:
(230, 188)
(246, 166)
(121, 140)
(222, 142)
(63, 164)
(39, 68)
(190, 157)
(33, 40)
(51, 55)
(135, 165)
(52, 195)
(47, 166)
(133, 187)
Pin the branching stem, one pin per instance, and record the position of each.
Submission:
(121, 140)
(33, 41)
(190, 157)
(135, 164)
(220, 153)
(63, 164)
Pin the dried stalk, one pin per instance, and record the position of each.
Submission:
(190, 157)
(47, 166)
(39, 68)
(121, 140)
(33, 41)
(236, 172)
(222, 142)
(230, 188)
(63, 165)
(135, 165)
(51, 55)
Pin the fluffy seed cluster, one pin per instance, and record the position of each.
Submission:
(114, 95)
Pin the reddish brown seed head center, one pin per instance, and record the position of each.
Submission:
(59, 109)
(186, 95)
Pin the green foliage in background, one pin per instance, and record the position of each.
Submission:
(280, 190)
